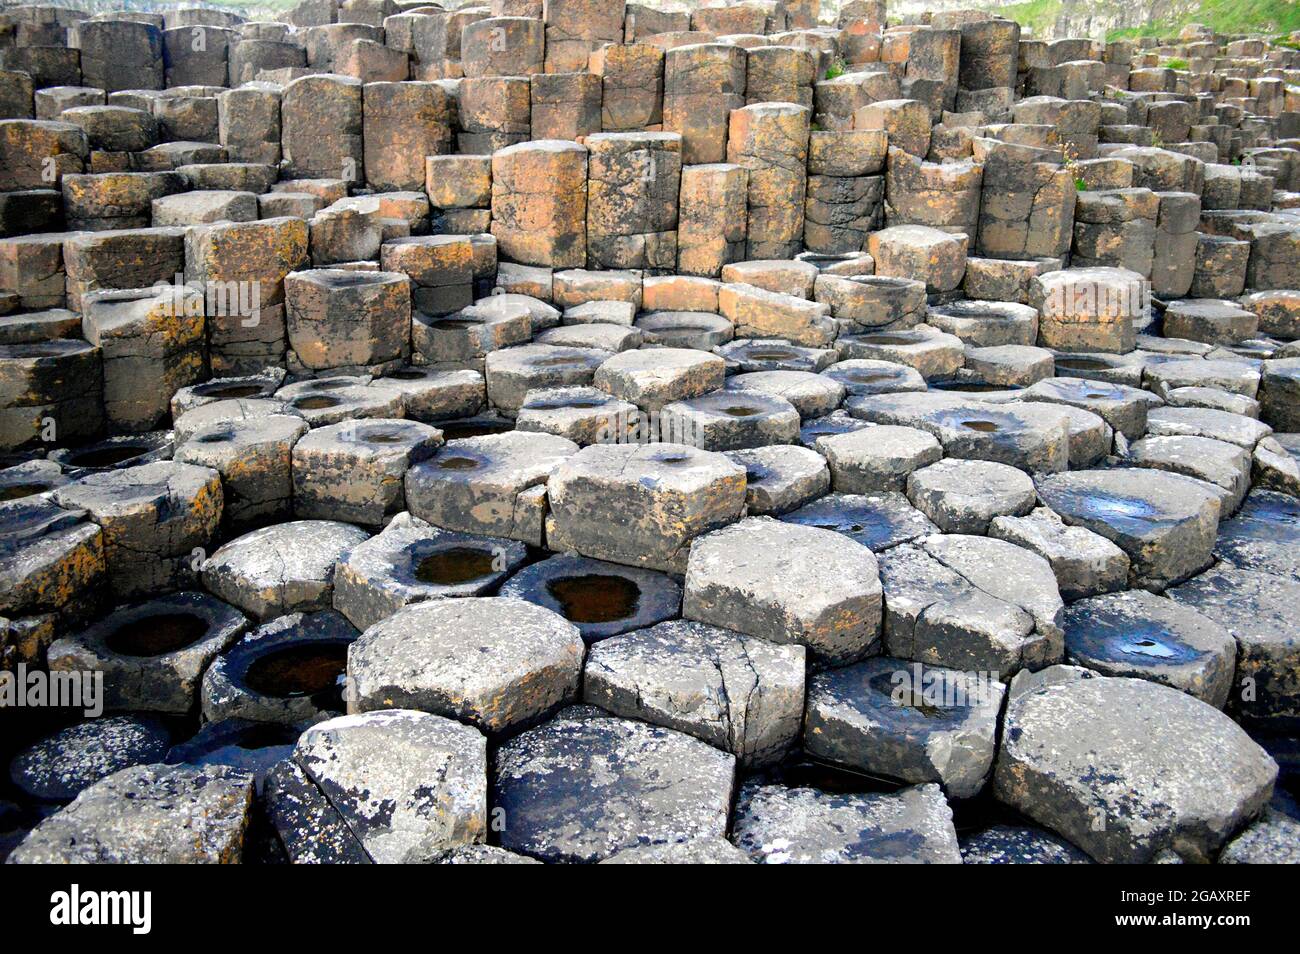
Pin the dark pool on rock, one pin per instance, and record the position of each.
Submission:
(741, 410)
(18, 491)
(157, 635)
(107, 456)
(312, 669)
(458, 463)
(1083, 364)
(316, 402)
(595, 598)
(984, 427)
(227, 392)
(383, 437)
(906, 695)
(454, 430)
(455, 565)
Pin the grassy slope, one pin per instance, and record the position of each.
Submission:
(1228, 16)
(1221, 16)
(1036, 14)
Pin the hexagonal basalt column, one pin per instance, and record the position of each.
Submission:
(152, 343)
(585, 785)
(1088, 309)
(712, 218)
(285, 568)
(741, 694)
(354, 470)
(322, 127)
(44, 383)
(494, 662)
(539, 203)
(288, 671)
(770, 140)
(408, 785)
(465, 337)
(641, 505)
(50, 559)
(345, 319)
(601, 599)
(765, 577)
(1166, 523)
(152, 654)
(731, 420)
(653, 378)
(514, 372)
(902, 720)
(703, 83)
(253, 457)
(493, 485)
(241, 266)
(412, 561)
(633, 184)
(154, 516)
(921, 253)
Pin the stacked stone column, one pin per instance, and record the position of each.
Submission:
(633, 184)
(770, 140)
(711, 218)
(703, 83)
(539, 203)
(845, 189)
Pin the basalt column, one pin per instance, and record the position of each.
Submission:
(771, 141)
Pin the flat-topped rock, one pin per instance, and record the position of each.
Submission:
(587, 785)
(494, 662)
(148, 814)
(779, 825)
(641, 504)
(964, 496)
(877, 520)
(409, 785)
(762, 577)
(1125, 768)
(741, 694)
(1166, 523)
(1138, 634)
(902, 720)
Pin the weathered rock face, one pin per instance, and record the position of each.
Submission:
(63, 765)
(778, 825)
(633, 182)
(1125, 768)
(149, 814)
(433, 657)
(762, 577)
(539, 203)
(901, 720)
(409, 785)
(669, 787)
(740, 694)
(641, 505)
(1166, 523)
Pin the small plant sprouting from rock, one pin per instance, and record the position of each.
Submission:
(837, 68)
(1070, 160)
